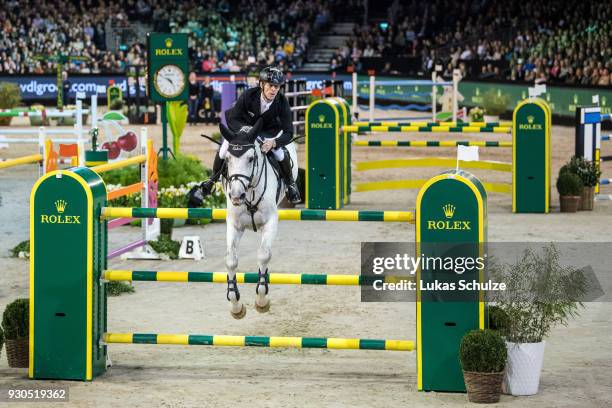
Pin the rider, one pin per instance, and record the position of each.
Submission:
(264, 101)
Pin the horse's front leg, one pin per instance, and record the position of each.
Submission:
(268, 233)
(238, 310)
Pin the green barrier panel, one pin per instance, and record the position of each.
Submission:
(68, 254)
(451, 216)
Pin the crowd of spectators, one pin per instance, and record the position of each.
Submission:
(564, 41)
(224, 35)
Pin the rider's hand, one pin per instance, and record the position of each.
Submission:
(268, 145)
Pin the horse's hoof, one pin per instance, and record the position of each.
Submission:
(263, 309)
(240, 314)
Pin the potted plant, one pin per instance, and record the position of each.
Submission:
(476, 114)
(15, 324)
(10, 97)
(495, 103)
(483, 356)
(589, 173)
(540, 293)
(569, 186)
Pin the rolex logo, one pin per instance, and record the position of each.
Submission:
(530, 119)
(60, 205)
(449, 210)
(168, 42)
(321, 118)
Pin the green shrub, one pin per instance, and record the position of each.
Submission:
(165, 245)
(180, 171)
(23, 246)
(569, 184)
(117, 104)
(116, 288)
(10, 96)
(588, 171)
(1, 339)
(498, 319)
(494, 102)
(15, 319)
(483, 351)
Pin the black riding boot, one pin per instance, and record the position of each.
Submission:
(293, 194)
(197, 194)
(207, 186)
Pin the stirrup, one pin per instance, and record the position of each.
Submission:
(234, 289)
(293, 194)
(265, 283)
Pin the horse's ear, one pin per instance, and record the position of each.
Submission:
(255, 129)
(226, 133)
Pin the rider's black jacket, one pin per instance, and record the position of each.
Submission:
(247, 110)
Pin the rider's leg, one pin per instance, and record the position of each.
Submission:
(284, 161)
(216, 170)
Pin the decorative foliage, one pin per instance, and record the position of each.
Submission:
(569, 184)
(16, 319)
(116, 288)
(10, 96)
(177, 113)
(495, 102)
(483, 351)
(540, 293)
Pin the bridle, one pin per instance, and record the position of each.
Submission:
(251, 204)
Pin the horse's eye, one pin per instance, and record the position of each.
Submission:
(250, 159)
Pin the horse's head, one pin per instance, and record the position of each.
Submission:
(243, 161)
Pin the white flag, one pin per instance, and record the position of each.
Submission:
(467, 153)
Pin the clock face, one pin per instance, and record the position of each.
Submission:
(169, 81)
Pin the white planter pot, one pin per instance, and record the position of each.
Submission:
(523, 368)
(490, 118)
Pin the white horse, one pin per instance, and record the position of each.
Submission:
(253, 191)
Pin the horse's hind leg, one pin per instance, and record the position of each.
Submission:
(268, 233)
(238, 310)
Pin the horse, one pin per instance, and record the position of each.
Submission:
(253, 190)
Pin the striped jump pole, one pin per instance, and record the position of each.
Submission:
(429, 143)
(430, 124)
(259, 341)
(33, 158)
(248, 277)
(605, 181)
(293, 215)
(434, 129)
(433, 162)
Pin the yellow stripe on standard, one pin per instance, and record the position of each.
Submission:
(447, 143)
(220, 277)
(473, 129)
(173, 213)
(333, 343)
(219, 214)
(347, 280)
(286, 342)
(182, 339)
(379, 128)
(440, 129)
(391, 216)
(170, 276)
(119, 212)
(120, 164)
(418, 124)
(118, 337)
(229, 341)
(118, 275)
(399, 345)
(410, 128)
(333, 215)
(286, 278)
(418, 143)
(352, 128)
